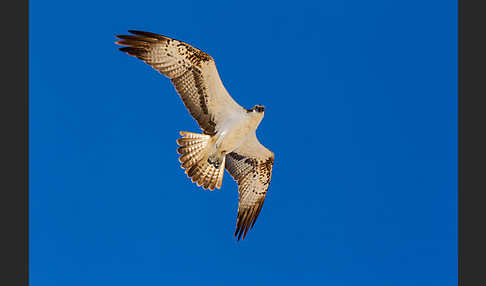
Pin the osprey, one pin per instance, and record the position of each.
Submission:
(228, 139)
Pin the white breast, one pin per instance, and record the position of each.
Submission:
(236, 128)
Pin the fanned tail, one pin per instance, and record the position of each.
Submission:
(194, 158)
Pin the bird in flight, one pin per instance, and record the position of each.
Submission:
(228, 138)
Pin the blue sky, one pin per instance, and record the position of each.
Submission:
(361, 113)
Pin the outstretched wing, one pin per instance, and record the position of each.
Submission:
(251, 166)
(192, 71)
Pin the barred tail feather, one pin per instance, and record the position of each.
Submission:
(194, 158)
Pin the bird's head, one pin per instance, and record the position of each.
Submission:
(256, 114)
(257, 108)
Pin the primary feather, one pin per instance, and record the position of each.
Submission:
(229, 140)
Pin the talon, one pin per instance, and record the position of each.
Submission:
(216, 164)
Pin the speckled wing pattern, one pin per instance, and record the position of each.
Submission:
(251, 167)
(192, 71)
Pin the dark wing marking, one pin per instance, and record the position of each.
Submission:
(251, 166)
(192, 71)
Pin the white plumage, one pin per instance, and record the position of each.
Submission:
(228, 140)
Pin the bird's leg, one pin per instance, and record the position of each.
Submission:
(215, 161)
(216, 158)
